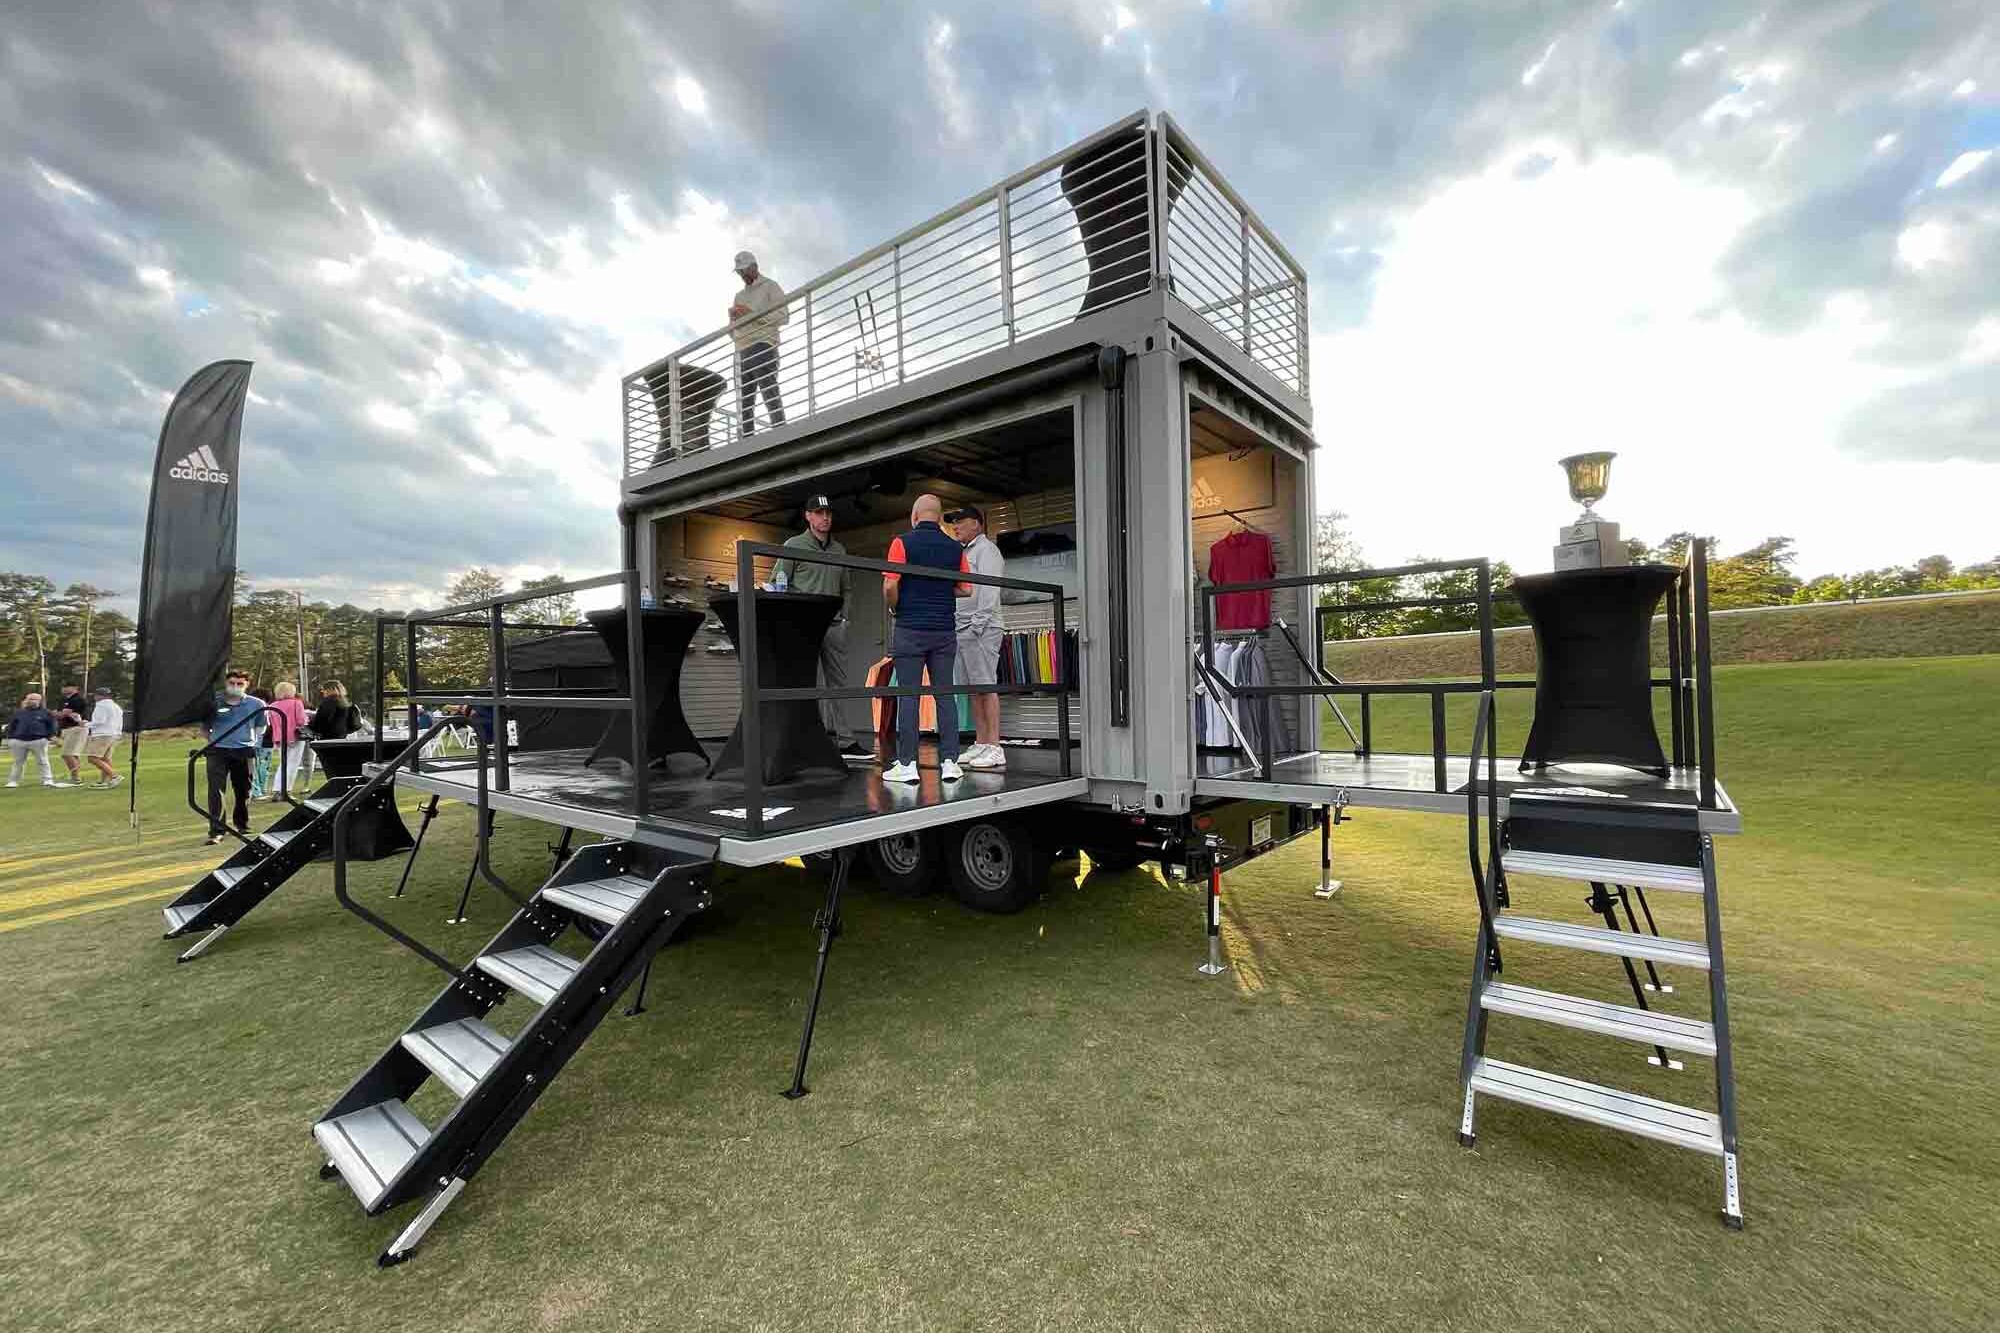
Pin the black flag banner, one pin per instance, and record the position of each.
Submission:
(187, 581)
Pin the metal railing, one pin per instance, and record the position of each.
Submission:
(1326, 686)
(482, 834)
(498, 698)
(1073, 234)
(755, 694)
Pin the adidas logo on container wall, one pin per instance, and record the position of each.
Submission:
(199, 466)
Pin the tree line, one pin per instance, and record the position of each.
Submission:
(50, 638)
(1762, 575)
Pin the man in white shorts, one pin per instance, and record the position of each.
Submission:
(978, 622)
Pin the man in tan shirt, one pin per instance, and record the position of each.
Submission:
(755, 317)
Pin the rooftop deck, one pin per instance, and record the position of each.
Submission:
(1130, 210)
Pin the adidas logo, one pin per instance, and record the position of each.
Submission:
(1205, 496)
(199, 466)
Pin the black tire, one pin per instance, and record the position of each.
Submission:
(1115, 859)
(908, 865)
(996, 865)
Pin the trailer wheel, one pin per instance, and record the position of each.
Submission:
(996, 865)
(908, 864)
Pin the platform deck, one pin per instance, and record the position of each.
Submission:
(815, 812)
(1409, 782)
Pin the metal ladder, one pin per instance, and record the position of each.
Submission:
(1660, 848)
(622, 901)
(259, 867)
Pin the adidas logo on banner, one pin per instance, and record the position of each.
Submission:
(199, 466)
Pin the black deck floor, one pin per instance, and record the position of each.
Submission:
(1416, 775)
(686, 797)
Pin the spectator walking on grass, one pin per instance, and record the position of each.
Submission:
(288, 747)
(262, 763)
(107, 724)
(74, 719)
(334, 719)
(232, 727)
(29, 731)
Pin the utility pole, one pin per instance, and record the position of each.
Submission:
(89, 610)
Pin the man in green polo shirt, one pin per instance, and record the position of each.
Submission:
(848, 715)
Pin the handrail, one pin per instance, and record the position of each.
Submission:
(1483, 878)
(755, 695)
(1324, 686)
(215, 742)
(358, 796)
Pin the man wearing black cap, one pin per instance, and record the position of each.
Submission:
(829, 581)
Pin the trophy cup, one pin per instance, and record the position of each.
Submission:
(1590, 542)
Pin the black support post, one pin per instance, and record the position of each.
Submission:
(828, 925)
(753, 720)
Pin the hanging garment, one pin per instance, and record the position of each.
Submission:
(1244, 556)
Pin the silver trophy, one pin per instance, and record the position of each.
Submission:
(1590, 542)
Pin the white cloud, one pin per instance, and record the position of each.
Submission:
(1516, 321)
(1534, 71)
(1962, 166)
(692, 97)
(1966, 88)
(389, 416)
(1885, 143)
(1924, 244)
(60, 183)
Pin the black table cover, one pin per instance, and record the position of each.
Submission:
(790, 626)
(667, 631)
(1593, 671)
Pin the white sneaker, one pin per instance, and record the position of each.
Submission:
(50, 782)
(986, 756)
(13, 784)
(901, 772)
(949, 771)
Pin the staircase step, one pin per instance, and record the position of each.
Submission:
(606, 900)
(321, 804)
(1648, 1026)
(460, 1052)
(1600, 870)
(1596, 939)
(537, 971)
(275, 838)
(227, 876)
(1683, 1126)
(178, 916)
(370, 1147)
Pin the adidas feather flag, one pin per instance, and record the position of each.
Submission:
(187, 581)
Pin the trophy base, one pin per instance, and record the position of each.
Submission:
(1590, 544)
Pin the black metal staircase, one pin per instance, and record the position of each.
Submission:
(1616, 851)
(261, 865)
(569, 952)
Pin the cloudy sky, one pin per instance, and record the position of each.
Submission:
(1754, 248)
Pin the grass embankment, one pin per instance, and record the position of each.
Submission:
(1049, 1121)
(1833, 631)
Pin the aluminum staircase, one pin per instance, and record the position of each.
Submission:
(613, 905)
(1619, 853)
(258, 868)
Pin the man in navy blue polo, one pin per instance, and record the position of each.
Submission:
(926, 635)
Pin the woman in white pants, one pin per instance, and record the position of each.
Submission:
(286, 701)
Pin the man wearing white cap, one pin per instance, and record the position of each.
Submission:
(755, 317)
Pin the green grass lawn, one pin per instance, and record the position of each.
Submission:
(1049, 1120)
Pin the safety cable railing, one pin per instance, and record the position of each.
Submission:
(1106, 219)
(482, 833)
(498, 697)
(215, 744)
(1325, 686)
(756, 694)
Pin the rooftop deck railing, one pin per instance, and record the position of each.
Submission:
(1130, 208)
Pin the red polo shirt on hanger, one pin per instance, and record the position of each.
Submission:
(1244, 556)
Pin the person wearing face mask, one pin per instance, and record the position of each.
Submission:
(235, 747)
